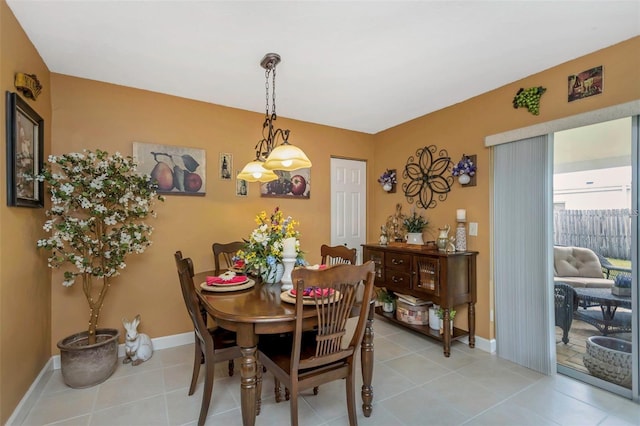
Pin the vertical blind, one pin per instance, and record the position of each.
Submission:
(522, 252)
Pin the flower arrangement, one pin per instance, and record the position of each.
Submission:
(388, 177)
(464, 167)
(98, 206)
(264, 248)
(415, 223)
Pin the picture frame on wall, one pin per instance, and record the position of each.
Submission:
(295, 184)
(242, 187)
(226, 166)
(585, 84)
(25, 149)
(178, 170)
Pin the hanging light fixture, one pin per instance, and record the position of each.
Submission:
(269, 155)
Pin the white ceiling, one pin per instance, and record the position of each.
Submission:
(363, 65)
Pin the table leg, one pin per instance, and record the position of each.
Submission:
(472, 325)
(366, 359)
(446, 328)
(248, 385)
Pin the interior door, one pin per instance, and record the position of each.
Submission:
(348, 204)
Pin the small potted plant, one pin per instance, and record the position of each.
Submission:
(452, 315)
(414, 225)
(388, 180)
(464, 169)
(387, 299)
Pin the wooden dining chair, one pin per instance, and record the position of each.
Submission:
(311, 358)
(336, 255)
(214, 344)
(223, 252)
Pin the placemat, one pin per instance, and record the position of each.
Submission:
(225, 288)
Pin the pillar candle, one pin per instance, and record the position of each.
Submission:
(289, 247)
(461, 214)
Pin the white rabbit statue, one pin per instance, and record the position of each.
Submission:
(138, 346)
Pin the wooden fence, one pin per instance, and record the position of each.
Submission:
(607, 232)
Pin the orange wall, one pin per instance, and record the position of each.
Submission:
(462, 128)
(89, 114)
(25, 289)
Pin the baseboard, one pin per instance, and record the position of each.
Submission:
(482, 344)
(29, 399)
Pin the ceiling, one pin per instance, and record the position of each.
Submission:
(363, 65)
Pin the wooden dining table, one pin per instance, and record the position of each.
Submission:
(258, 311)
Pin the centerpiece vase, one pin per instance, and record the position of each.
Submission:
(273, 274)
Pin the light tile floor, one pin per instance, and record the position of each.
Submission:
(414, 384)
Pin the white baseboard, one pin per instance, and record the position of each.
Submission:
(482, 344)
(29, 399)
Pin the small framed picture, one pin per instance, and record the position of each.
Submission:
(585, 84)
(178, 170)
(226, 166)
(242, 188)
(25, 147)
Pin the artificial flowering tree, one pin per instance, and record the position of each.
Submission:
(99, 204)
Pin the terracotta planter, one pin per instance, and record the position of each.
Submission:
(84, 365)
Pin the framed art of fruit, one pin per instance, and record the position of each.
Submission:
(177, 170)
(295, 184)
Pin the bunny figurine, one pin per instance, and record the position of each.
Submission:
(138, 346)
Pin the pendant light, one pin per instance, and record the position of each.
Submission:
(269, 155)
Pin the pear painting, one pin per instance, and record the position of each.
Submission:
(175, 169)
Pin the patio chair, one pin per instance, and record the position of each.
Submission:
(566, 302)
(608, 267)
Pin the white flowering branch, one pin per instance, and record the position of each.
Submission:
(98, 206)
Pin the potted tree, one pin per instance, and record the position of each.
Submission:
(98, 206)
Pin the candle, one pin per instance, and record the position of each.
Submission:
(289, 247)
(461, 215)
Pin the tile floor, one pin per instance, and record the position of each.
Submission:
(414, 384)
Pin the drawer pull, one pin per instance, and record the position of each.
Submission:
(396, 279)
(397, 262)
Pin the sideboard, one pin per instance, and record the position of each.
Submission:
(446, 279)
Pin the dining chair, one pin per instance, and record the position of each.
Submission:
(336, 255)
(224, 252)
(212, 344)
(311, 358)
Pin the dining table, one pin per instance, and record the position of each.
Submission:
(258, 310)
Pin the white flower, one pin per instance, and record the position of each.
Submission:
(67, 188)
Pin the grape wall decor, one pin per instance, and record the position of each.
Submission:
(427, 176)
(529, 98)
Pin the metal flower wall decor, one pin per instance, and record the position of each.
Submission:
(427, 176)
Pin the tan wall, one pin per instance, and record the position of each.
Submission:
(88, 114)
(462, 128)
(25, 289)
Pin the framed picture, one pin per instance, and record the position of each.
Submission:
(226, 166)
(585, 84)
(178, 170)
(242, 189)
(295, 184)
(25, 147)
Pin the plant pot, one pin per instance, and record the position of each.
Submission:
(273, 274)
(434, 321)
(464, 179)
(387, 187)
(84, 365)
(414, 238)
(387, 307)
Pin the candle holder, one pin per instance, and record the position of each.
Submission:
(287, 282)
(461, 236)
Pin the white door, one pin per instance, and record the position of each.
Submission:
(348, 204)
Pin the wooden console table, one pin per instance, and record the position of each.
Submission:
(446, 279)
